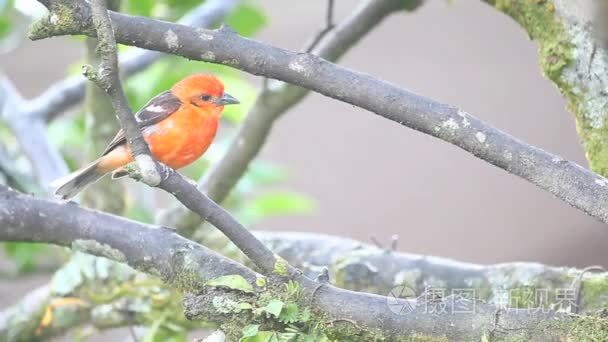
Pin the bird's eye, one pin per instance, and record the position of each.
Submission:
(205, 97)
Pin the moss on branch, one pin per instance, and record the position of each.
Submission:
(571, 57)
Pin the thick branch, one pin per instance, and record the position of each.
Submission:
(362, 267)
(566, 180)
(155, 250)
(181, 262)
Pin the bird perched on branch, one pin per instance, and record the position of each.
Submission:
(178, 125)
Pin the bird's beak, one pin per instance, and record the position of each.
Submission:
(227, 99)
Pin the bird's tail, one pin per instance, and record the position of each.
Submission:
(70, 185)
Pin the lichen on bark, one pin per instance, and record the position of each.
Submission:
(574, 60)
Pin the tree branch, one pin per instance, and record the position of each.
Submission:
(566, 180)
(180, 262)
(573, 56)
(154, 250)
(101, 126)
(275, 100)
(352, 264)
(47, 162)
(362, 267)
(14, 177)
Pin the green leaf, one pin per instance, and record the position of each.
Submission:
(196, 169)
(260, 174)
(139, 213)
(289, 314)
(5, 26)
(6, 7)
(139, 7)
(261, 281)
(162, 331)
(274, 307)
(174, 9)
(280, 267)
(232, 281)
(247, 19)
(68, 132)
(261, 336)
(244, 306)
(243, 90)
(293, 289)
(250, 330)
(153, 331)
(304, 315)
(276, 203)
(24, 254)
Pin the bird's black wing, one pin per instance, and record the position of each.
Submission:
(156, 110)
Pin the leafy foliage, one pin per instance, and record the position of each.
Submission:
(273, 203)
(6, 7)
(24, 254)
(247, 20)
(291, 321)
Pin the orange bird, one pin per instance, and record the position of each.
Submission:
(178, 125)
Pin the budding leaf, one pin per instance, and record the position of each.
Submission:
(232, 281)
(274, 307)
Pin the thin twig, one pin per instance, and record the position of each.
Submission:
(329, 25)
(577, 285)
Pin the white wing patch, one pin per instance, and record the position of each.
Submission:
(150, 109)
(155, 109)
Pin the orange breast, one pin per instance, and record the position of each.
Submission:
(176, 141)
(183, 137)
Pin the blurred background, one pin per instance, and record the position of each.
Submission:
(351, 173)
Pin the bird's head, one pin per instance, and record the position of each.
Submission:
(204, 91)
